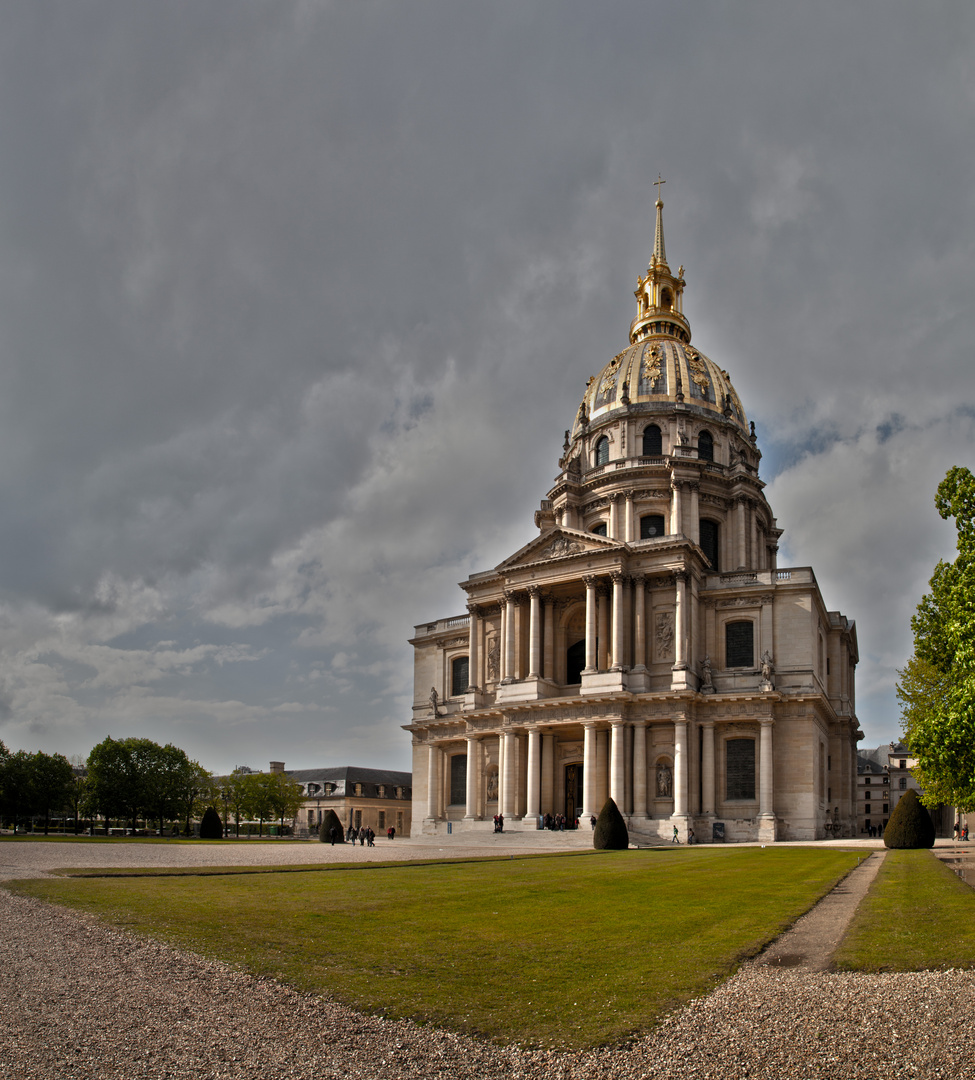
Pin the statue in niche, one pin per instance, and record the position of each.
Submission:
(492, 786)
(707, 686)
(434, 701)
(768, 670)
(665, 782)
(494, 657)
(664, 636)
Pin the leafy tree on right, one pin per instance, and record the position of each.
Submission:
(937, 687)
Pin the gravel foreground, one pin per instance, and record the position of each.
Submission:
(81, 1000)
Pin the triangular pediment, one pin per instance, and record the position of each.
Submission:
(560, 543)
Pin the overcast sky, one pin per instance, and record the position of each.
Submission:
(297, 300)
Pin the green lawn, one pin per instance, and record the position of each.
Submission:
(576, 950)
(918, 915)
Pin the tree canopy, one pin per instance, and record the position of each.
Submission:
(937, 687)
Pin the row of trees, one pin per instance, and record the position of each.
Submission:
(133, 779)
(937, 687)
(36, 785)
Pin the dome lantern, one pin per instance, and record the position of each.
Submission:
(660, 295)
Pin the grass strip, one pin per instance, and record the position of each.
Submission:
(917, 916)
(568, 952)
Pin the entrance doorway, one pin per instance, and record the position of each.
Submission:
(573, 794)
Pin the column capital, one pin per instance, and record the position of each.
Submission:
(590, 580)
(474, 610)
(639, 580)
(617, 577)
(534, 590)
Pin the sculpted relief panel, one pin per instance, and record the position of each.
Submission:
(663, 635)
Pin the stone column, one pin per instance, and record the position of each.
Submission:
(602, 778)
(473, 766)
(502, 644)
(548, 639)
(433, 781)
(617, 773)
(639, 623)
(676, 515)
(680, 768)
(740, 518)
(694, 528)
(547, 792)
(509, 637)
(509, 776)
(680, 623)
(629, 535)
(591, 605)
(765, 803)
(614, 516)
(589, 771)
(534, 632)
(707, 767)
(533, 778)
(603, 631)
(473, 671)
(618, 608)
(640, 769)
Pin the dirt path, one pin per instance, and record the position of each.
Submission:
(810, 944)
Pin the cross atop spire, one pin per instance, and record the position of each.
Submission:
(657, 184)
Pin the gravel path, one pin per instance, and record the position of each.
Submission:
(82, 1001)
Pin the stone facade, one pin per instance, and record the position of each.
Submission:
(376, 798)
(645, 645)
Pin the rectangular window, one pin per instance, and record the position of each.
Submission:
(459, 675)
(709, 542)
(382, 820)
(458, 779)
(739, 644)
(866, 808)
(740, 768)
(399, 820)
(867, 781)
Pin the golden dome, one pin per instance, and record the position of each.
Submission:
(661, 372)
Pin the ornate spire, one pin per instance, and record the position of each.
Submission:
(660, 295)
(659, 250)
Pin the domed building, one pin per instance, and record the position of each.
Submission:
(645, 645)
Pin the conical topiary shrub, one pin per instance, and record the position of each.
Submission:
(211, 827)
(610, 832)
(910, 825)
(330, 821)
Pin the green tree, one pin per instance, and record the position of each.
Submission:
(15, 786)
(235, 792)
(287, 797)
(610, 832)
(50, 780)
(115, 786)
(937, 687)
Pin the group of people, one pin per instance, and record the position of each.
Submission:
(559, 822)
(499, 822)
(960, 831)
(363, 834)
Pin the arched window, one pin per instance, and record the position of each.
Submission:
(459, 675)
(651, 525)
(599, 529)
(458, 779)
(602, 451)
(740, 771)
(709, 542)
(739, 644)
(653, 444)
(705, 446)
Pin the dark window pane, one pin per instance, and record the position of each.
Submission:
(653, 445)
(600, 529)
(602, 451)
(739, 651)
(709, 542)
(575, 661)
(458, 778)
(705, 446)
(651, 525)
(459, 675)
(741, 768)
